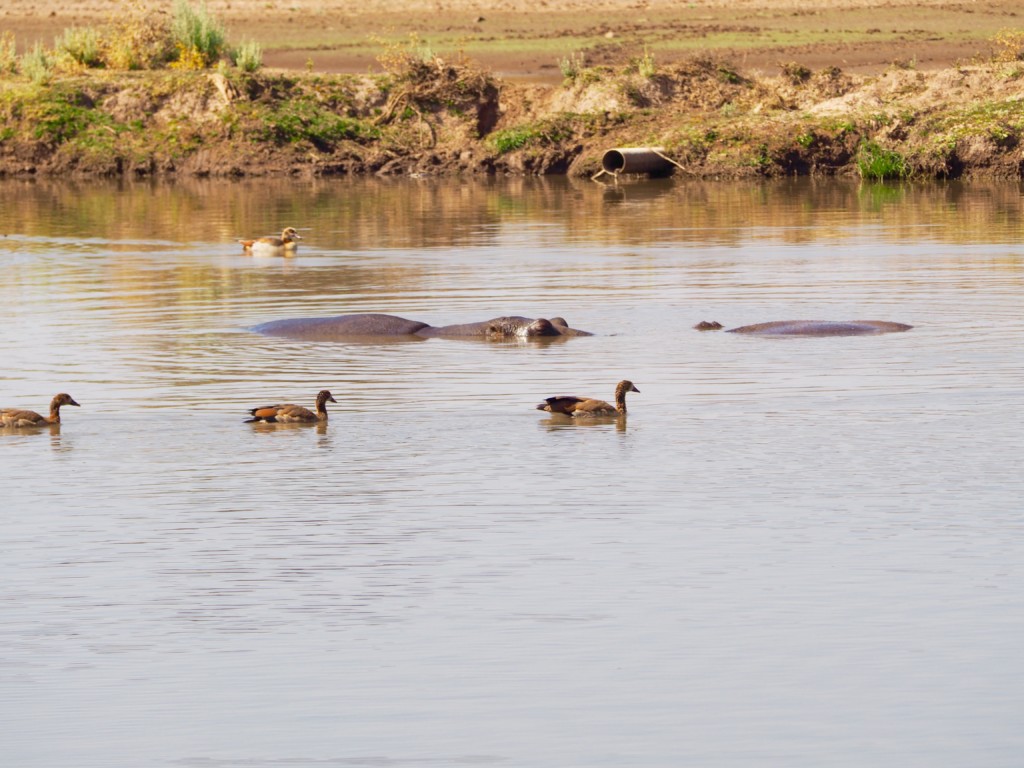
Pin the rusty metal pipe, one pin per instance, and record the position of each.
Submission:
(649, 160)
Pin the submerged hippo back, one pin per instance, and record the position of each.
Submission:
(822, 328)
(341, 327)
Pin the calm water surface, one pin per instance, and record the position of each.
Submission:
(797, 552)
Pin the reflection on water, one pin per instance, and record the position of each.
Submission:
(383, 214)
(805, 548)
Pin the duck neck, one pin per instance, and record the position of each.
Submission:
(620, 400)
(54, 417)
(321, 408)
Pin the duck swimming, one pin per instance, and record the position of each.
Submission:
(284, 245)
(287, 414)
(588, 406)
(16, 417)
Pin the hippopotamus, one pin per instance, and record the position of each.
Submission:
(342, 327)
(812, 327)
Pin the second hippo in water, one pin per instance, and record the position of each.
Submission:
(813, 328)
(368, 326)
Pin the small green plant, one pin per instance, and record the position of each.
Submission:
(572, 65)
(248, 56)
(876, 162)
(727, 75)
(645, 65)
(37, 65)
(80, 45)
(197, 35)
(513, 139)
(8, 54)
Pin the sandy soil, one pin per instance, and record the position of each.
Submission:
(526, 39)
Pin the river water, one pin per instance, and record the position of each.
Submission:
(794, 552)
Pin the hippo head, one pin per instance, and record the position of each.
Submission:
(526, 328)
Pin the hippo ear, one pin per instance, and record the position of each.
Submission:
(559, 321)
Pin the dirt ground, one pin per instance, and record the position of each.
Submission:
(527, 39)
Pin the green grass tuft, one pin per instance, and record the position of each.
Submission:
(82, 45)
(248, 56)
(37, 65)
(513, 139)
(197, 34)
(876, 162)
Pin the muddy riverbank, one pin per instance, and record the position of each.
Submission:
(766, 89)
(436, 118)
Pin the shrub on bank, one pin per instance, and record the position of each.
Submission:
(80, 46)
(37, 65)
(248, 56)
(190, 37)
(198, 37)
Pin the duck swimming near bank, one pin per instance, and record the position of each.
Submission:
(577, 407)
(284, 245)
(289, 414)
(16, 417)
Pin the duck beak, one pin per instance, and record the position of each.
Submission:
(71, 402)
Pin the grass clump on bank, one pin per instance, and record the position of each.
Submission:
(81, 45)
(37, 65)
(140, 38)
(297, 121)
(199, 38)
(248, 56)
(879, 164)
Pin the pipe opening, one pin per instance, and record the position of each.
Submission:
(646, 160)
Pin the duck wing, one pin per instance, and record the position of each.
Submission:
(282, 413)
(288, 413)
(16, 417)
(561, 403)
(593, 407)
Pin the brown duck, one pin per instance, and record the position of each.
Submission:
(284, 245)
(287, 414)
(15, 417)
(589, 406)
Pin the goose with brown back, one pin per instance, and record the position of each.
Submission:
(291, 414)
(578, 407)
(285, 245)
(16, 417)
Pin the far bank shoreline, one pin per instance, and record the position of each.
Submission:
(434, 118)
